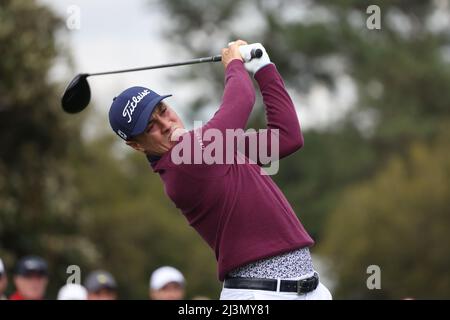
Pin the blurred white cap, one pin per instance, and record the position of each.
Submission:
(2, 267)
(72, 291)
(164, 275)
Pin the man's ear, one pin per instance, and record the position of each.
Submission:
(135, 145)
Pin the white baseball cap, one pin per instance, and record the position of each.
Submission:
(164, 275)
(72, 291)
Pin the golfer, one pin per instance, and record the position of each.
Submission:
(260, 245)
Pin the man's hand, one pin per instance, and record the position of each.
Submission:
(253, 65)
(232, 52)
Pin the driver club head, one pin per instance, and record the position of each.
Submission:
(77, 95)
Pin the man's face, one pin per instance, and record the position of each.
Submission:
(157, 138)
(31, 286)
(103, 294)
(171, 291)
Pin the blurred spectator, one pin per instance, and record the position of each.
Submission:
(72, 291)
(30, 279)
(167, 283)
(101, 285)
(3, 280)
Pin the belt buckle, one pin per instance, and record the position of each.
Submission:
(309, 283)
(300, 290)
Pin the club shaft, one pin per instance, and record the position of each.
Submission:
(193, 61)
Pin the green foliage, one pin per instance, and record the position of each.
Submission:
(37, 213)
(313, 181)
(399, 221)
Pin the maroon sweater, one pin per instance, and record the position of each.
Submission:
(241, 214)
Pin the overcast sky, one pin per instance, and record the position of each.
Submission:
(117, 34)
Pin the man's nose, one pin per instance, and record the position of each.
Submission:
(164, 124)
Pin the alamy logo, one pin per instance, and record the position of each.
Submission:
(373, 22)
(73, 21)
(75, 274)
(232, 146)
(131, 105)
(374, 280)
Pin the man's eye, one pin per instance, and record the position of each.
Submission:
(163, 110)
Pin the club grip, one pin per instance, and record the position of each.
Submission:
(256, 53)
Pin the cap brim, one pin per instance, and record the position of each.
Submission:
(142, 121)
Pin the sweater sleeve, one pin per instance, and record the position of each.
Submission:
(237, 100)
(233, 114)
(283, 126)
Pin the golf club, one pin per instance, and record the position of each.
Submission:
(77, 95)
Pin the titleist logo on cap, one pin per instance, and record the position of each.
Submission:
(131, 105)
